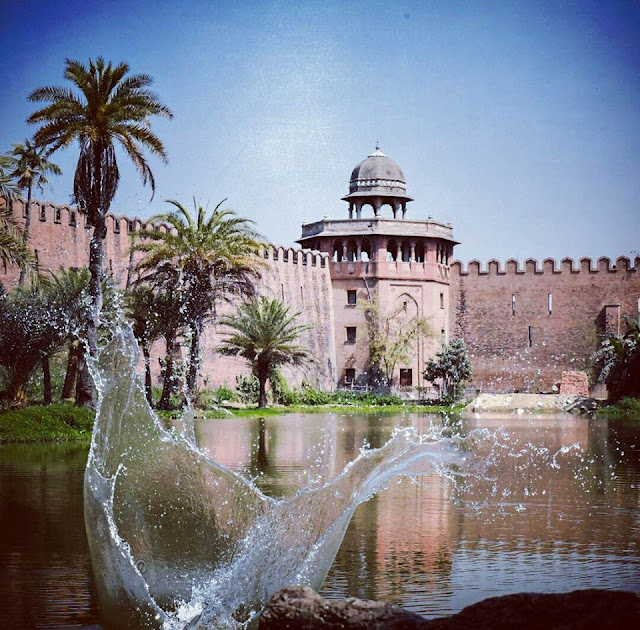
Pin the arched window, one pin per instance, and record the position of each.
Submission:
(392, 250)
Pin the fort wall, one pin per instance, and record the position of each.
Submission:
(525, 324)
(301, 278)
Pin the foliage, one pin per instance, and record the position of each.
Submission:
(46, 424)
(13, 250)
(247, 388)
(30, 167)
(392, 335)
(452, 366)
(213, 257)
(367, 399)
(625, 409)
(617, 362)
(308, 395)
(264, 332)
(8, 185)
(223, 394)
(111, 108)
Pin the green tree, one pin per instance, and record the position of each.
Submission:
(215, 257)
(392, 335)
(264, 332)
(451, 364)
(30, 167)
(8, 185)
(111, 108)
(617, 362)
(145, 309)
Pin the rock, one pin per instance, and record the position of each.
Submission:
(296, 607)
(300, 607)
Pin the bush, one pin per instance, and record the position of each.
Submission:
(365, 399)
(625, 408)
(308, 395)
(248, 388)
(224, 394)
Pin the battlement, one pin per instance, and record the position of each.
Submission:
(69, 215)
(531, 266)
(295, 256)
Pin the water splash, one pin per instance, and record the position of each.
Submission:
(180, 541)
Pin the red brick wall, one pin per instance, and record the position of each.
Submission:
(565, 339)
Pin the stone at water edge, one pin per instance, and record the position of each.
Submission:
(298, 607)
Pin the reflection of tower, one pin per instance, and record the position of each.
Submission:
(402, 263)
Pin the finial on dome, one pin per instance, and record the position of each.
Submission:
(377, 145)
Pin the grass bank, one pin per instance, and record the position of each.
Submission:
(626, 410)
(278, 410)
(52, 423)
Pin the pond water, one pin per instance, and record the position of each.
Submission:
(557, 511)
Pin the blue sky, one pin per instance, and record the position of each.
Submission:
(519, 122)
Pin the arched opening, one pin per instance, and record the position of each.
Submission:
(337, 251)
(392, 250)
(365, 251)
(406, 251)
(351, 250)
(420, 252)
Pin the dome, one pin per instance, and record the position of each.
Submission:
(378, 174)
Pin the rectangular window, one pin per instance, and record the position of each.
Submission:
(351, 334)
(72, 218)
(513, 303)
(442, 300)
(43, 214)
(132, 226)
(406, 377)
(302, 295)
(285, 255)
(352, 297)
(550, 303)
(116, 226)
(323, 262)
(350, 376)
(531, 336)
(57, 215)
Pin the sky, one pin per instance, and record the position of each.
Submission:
(516, 121)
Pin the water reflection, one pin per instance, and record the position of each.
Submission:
(430, 545)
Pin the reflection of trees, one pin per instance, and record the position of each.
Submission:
(42, 537)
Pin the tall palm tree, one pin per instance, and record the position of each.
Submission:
(112, 108)
(215, 256)
(264, 332)
(30, 167)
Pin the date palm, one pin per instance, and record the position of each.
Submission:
(13, 251)
(265, 333)
(215, 256)
(108, 107)
(30, 167)
(8, 185)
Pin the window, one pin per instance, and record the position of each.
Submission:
(550, 302)
(72, 218)
(513, 303)
(406, 377)
(43, 214)
(132, 225)
(352, 297)
(57, 215)
(442, 300)
(351, 334)
(530, 336)
(116, 226)
(285, 255)
(349, 376)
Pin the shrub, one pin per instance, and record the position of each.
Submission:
(224, 394)
(247, 388)
(308, 395)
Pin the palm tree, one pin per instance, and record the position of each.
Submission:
(265, 334)
(215, 256)
(144, 308)
(112, 108)
(30, 167)
(8, 186)
(13, 251)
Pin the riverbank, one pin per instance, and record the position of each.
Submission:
(51, 423)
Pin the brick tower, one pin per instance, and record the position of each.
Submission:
(402, 264)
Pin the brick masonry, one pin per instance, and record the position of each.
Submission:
(525, 326)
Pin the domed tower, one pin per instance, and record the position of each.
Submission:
(398, 265)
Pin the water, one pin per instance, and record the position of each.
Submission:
(556, 509)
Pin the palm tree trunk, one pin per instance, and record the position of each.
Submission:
(167, 376)
(46, 380)
(96, 254)
(194, 359)
(27, 224)
(262, 379)
(85, 390)
(72, 370)
(147, 373)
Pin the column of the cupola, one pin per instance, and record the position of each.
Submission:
(344, 250)
(412, 256)
(358, 249)
(350, 210)
(404, 209)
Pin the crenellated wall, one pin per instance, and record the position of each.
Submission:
(300, 278)
(525, 324)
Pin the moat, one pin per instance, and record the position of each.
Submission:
(560, 512)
